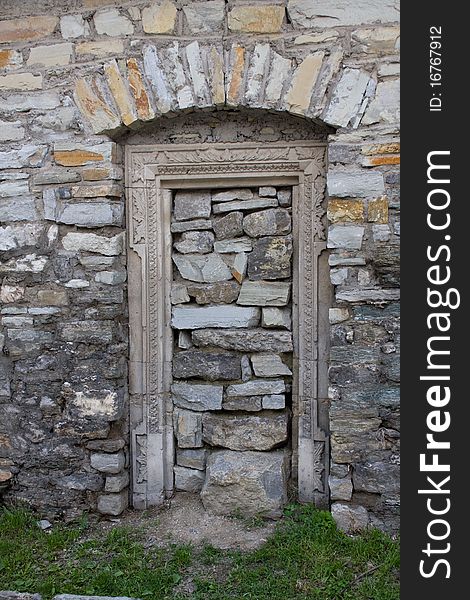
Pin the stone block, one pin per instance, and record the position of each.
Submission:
(197, 396)
(229, 226)
(267, 222)
(212, 366)
(385, 107)
(188, 480)
(51, 56)
(179, 294)
(113, 504)
(223, 292)
(271, 258)
(188, 428)
(349, 518)
(299, 94)
(18, 209)
(244, 340)
(362, 184)
(342, 210)
(264, 293)
(269, 365)
(274, 402)
(242, 244)
(256, 387)
(109, 21)
(336, 13)
(10, 59)
(232, 194)
(74, 26)
(191, 458)
(208, 268)
(265, 18)
(27, 29)
(347, 97)
(21, 81)
(250, 483)
(348, 237)
(237, 205)
(88, 331)
(246, 404)
(199, 317)
(200, 242)
(205, 17)
(192, 205)
(340, 488)
(11, 131)
(377, 210)
(106, 462)
(276, 317)
(197, 224)
(159, 17)
(96, 403)
(20, 236)
(100, 49)
(90, 242)
(116, 483)
(27, 156)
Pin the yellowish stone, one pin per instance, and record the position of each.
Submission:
(300, 92)
(159, 17)
(120, 93)
(341, 210)
(144, 109)
(9, 59)
(216, 68)
(21, 81)
(380, 160)
(378, 210)
(264, 18)
(236, 76)
(392, 148)
(27, 29)
(115, 46)
(94, 107)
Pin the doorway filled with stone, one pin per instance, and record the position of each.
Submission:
(232, 362)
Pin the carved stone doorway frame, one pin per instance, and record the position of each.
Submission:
(152, 173)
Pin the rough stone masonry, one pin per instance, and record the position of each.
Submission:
(76, 78)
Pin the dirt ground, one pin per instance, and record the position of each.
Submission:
(183, 520)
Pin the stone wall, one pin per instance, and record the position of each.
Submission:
(74, 78)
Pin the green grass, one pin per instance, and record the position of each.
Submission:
(306, 558)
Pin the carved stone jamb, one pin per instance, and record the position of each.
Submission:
(151, 173)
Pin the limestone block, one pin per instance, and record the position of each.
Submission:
(195, 242)
(338, 315)
(244, 205)
(223, 292)
(121, 93)
(109, 21)
(106, 462)
(18, 209)
(265, 18)
(269, 365)
(90, 98)
(199, 317)
(278, 74)
(179, 294)
(245, 403)
(113, 504)
(271, 258)
(347, 97)
(250, 483)
(264, 293)
(27, 29)
(212, 366)
(355, 184)
(100, 49)
(336, 13)
(159, 17)
(385, 107)
(74, 26)
(197, 396)
(299, 95)
(188, 428)
(208, 268)
(50, 56)
(85, 214)
(259, 431)
(18, 236)
(232, 194)
(137, 87)
(379, 40)
(197, 73)
(205, 17)
(256, 72)
(158, 80)
(245, 340)
(11, 131)
(21, 81)
(27, 156)
(350, 519)
(234, 79)
(30, 263)
(196, 225)
(274, 401)
(71, 154)
(256, 387)
(116, 483)
(242, 244)
(267, 222)
(111, 277)
(188, 480)
(90, 242)
(276, 317)
(340, 488)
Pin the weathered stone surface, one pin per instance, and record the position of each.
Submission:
(242, 244)
(271, 258)
(50, 56)
(379, 40)
(74, 26)
(274, 401)
(110, 21)
(111, 445)
(26, 156)
(202, 267)
(159, 17)
(229, 226)
(260, 431)
(206, 365)
(265, 18)
(377, 477)
(188, 480)
(232, 194)
(192, 205)
(113, 504)
(10, 59)
(86, 331)
(354, 184)
(244, 205)
(107, 462)
(30, 263)
(299, 95)
(256, 71)
(20, 236)
(11, 131)
(276, 317)
(348, 237)
(250, 483)
(347, 97)
(377, 210)
(192, 459)
(381, 233)
(18, 187)
(96, 403)
(75, 155)
(137, 87)
(116, 483)
(256, 387)
(188, 428)
(267, 222)
(328, 13)
(223, 292)
(248, 403)
(340, 488)
(21, 81)
(11, 293)
(338, 315)
(269, 365)
(90, 242)
(239, 266)
(386, 105)
(83, 214)
(120, 92)
(111, 277)
(179, 294)
(197, 396)
(100, 49)
(27, 29)
(195, 225)
(18, 209)
(264, 293)
(343, 210)
(350, 519)
(278, 75)
(249, 340)
(195, 242)
(199, 317)
(91, 99)
(205, 17)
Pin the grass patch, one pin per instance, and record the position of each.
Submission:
(306, 558)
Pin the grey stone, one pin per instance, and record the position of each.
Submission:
(229, 226)
(385, 107)
(247, 373)
(179, 293)
(232, 194)
(7, 595)
(264, 293)
(109, 21)
(377, 477)
(269, 365)
(284, 197)
(111, 445)
(348, 237)
(368, 295)
(15, 187)
(248, 403)
(107, 462)
(225, 316)
(191, 458)
(355, 184)
(113, 504)
(27, 102)
(340, 488)
(206, 365)
(338, 315)
(244, 205)
(18, 209)
(196, 225)
(335, 13)
(197, 396)
(96, 262)
(195, 241)
(274, 402)
(260, 431)
(205, 17)
(111, 277)
(56, 177)
(241, 244)
(86, 331)
(338, 276)
(90, 242)
(74, 26)
(381, 233)
(275, 221)
(207, 268)
(335, 260)
(192, 205)
(188, 428)
(267, 191)
(245, 340)
(239, 266)
(256, 387)
(350, 519)
(102, 402)
(271, 258)
(80, 482)
(18, 236)
(26, 156)
(85, 214)
(347, 97)
(188, 480)
(184, 340)
(223, 292)
(250, 483)
(276, 317)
